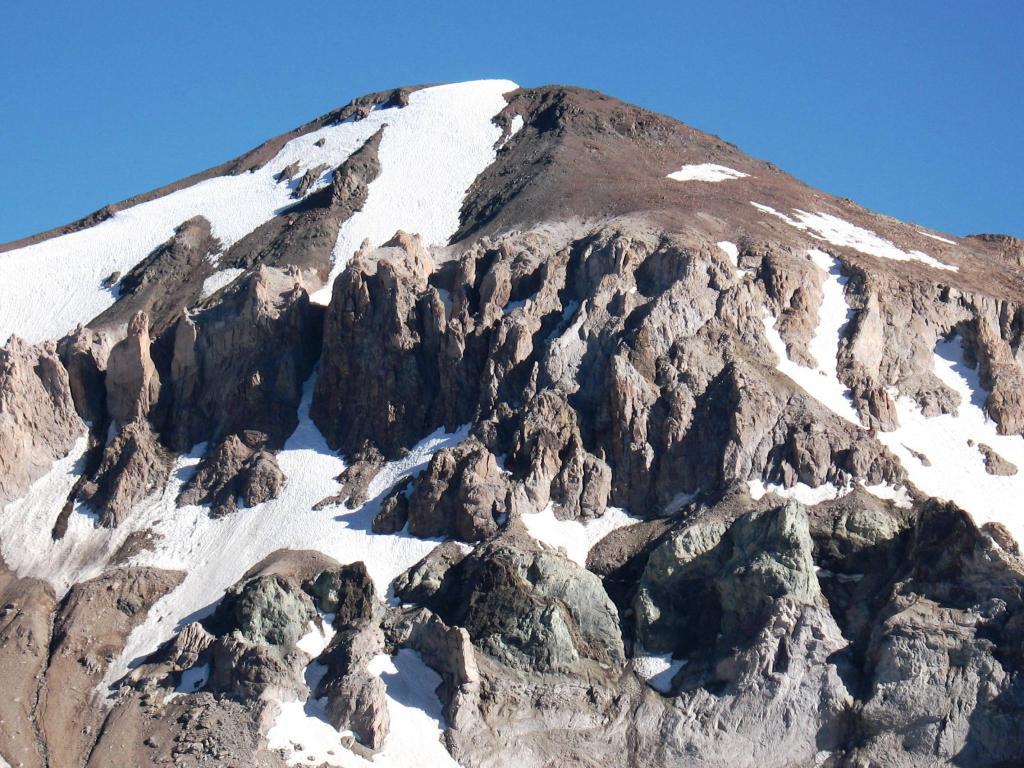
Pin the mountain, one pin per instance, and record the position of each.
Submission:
(493, 426)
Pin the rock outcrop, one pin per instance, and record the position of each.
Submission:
(38, 420)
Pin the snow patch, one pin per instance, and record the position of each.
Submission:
(657, 670)
(834, 230)
(733, 254)
(821, 382)
(575, 538)
(219, 280)
(706, 172)
(898, 496)
(514, 127)
(316, 640)
(431, 152)
(936, 237)
(957, 468)
(801, 492)
(417, 722)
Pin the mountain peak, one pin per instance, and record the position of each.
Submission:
(485, 425)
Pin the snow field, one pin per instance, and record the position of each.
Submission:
(430, 154)
(950, 443)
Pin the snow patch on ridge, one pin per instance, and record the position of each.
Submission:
(834, 230)
(706, 172)
(431, 152)
(936, 237)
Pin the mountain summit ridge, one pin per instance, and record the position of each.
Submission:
(509, 426)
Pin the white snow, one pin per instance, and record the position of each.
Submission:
(706, 172)
(936, 237)
(834, 230)
(957, 470)
(318, 637)
(219, 279)
(195, 678)
(899, 496)
(431, 152)
(801, 492)
(307, 738)
(821, 382)
(733, 254)
(657, 670)
(573, 537)
(26, 525)
(731, 251)
(515, 127)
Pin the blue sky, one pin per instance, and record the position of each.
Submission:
(915, 109)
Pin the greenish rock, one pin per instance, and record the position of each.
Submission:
(268, 610)
(530, 608)
(712, 578)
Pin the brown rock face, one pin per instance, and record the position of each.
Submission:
(370, 388)
(462, 493)
(134, 465)
(237, 469)
(133, 384)
(240, 363)
(84, 354)
(38, 421)
(26, 606)
(90, 628)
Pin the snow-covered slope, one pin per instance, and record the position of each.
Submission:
(430, 153)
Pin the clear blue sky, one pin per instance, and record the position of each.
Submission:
(915, 109)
